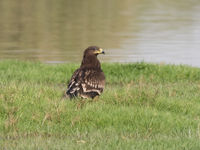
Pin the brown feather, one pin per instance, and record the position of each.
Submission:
(89, 80)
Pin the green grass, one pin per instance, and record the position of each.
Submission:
(144, 106)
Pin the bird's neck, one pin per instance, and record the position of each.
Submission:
(90, 61)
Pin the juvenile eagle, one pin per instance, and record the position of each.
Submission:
(89, 80)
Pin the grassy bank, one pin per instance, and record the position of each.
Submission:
(144, 106)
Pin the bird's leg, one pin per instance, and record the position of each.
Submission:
(80, 104)
(95, 98)
(65, 96)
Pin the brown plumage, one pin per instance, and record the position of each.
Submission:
(89, 80)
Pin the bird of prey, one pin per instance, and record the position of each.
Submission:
(89, 80)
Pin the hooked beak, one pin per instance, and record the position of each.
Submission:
(99, 51)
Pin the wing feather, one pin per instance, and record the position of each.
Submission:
(86, 81)
(74, 84)
(94, 81)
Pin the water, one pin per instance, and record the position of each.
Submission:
(161, 31)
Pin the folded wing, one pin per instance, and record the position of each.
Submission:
(86, 83)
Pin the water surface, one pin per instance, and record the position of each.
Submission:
(161, 31)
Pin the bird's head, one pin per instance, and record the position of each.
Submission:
(94, 50)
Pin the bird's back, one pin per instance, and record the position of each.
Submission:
(86, 82)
